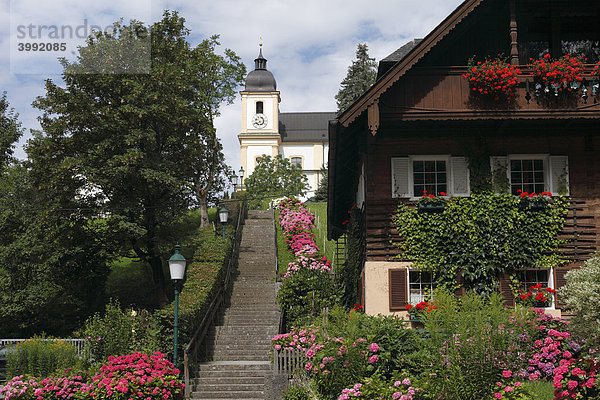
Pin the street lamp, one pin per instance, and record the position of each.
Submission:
(241, 178)
(223, 217)
(177, 269)
(234, 182)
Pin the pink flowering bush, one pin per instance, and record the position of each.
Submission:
(134, 376)
(308, 286)
(510, 387)
(308, 262)
(137, 376)
(302, 339)
(377, 387)
(576, 378)
(339, 361)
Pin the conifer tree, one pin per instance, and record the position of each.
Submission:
(361, 75)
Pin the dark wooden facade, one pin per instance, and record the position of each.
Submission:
(421, 105)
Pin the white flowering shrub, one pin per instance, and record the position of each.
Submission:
(582, 293)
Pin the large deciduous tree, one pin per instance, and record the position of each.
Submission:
(361, 75)
(52, 266)
(132, 130)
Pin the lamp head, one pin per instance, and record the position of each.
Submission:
(177, 264)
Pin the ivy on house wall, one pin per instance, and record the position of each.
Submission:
(355, 256)
(482, 237)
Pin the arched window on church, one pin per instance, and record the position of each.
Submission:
(296, 162)
(259, 107)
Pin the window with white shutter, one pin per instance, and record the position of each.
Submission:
(436, 174)
(531, 173)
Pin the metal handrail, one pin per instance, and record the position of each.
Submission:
(199, 337)
(79, 344)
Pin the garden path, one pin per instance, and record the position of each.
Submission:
(241, 343)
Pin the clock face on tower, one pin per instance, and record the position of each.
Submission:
(259, 121)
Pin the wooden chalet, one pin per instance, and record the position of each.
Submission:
(420, 117)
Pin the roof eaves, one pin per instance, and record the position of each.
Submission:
(411, 58)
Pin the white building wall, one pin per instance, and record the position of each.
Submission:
(253, 152)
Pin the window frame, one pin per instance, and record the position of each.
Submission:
(301, 161)
(411, 173)
(549, 283)
(262, 107)
(422, 296)
(545, 159)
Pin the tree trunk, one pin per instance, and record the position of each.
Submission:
(158, 277)
(203, 207)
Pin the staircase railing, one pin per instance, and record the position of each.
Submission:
(190, 353)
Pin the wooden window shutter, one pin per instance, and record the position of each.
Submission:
(496, 163)
(400, 177)
(506, 291)
(460, 176)
(560, 281)
(398, 289)
(559, 175)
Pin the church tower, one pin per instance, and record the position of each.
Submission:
(260, 116)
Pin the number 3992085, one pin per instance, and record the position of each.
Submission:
(43, 46)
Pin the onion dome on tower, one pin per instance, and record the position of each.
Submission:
(260, 80)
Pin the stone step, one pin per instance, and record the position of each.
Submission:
(240, 394)
(241, 357)
(224, 386)
(229, 380)
(232, 374)
(235, 366)
(232, 340)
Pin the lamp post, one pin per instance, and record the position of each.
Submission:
(223, 217)
(241, 178)
(234, 182)
(177, 269)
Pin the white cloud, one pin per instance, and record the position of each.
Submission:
(309, 44)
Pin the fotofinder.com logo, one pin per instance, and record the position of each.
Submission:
(51, 42)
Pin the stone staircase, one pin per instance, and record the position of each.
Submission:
(241, 342)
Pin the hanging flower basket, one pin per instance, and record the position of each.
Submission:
(494, 79)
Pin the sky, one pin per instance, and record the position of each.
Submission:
(309, 44)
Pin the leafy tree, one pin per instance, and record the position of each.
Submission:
(275, 177)
(361, 75)
(218, 76)
(10, 132)
(322, 191)
(126, 144)
(52, 268)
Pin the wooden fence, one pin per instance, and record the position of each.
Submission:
(288, 362)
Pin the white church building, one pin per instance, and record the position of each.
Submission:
(301, 137)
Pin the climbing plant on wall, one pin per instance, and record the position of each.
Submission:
(482, 236)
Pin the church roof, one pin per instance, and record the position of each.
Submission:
(305, 126)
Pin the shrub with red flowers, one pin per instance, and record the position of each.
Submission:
(562, 75)
(137, 376)
(495, 78)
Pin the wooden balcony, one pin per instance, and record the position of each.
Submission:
(442, 93)
(579, 235)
